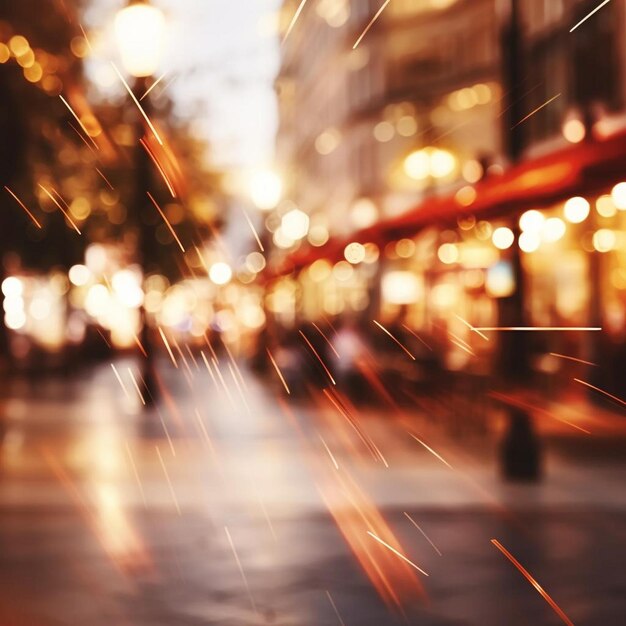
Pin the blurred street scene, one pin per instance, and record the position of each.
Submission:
(314, 312)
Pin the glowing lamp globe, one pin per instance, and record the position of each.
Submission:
(139, 30)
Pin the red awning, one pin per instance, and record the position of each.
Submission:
(576, 170)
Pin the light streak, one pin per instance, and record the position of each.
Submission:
(191, 356)
(396, 340)
(384, 543)
(82, 138)
(431, 450)
(294, 19)
(86, 38)
(606, 393)
(121, 382)
(167, 434)
(65, 213)
(545, 104)
(332, 380)
(471, 327)
(132, 377)
(382, 8)
(224, 385)
(158, 166)
(332, 603)
(416, 336)
(140, 346)
(209, 368)
(330, 345)
(330, 454)
(71, 110)
(461, 343)
(526, 405)
(239, 389)
(243, 574)
(105, 179)
(538, 328)
(236, 367)
(158, 208)
(253, 229)
(573, 28)
(267, 517)
(167, 345)
(280, 375)
(571, 358)
(206, 269)
(363, 436)
(527, 575)
(152, 86)
(143, 113)
(169, 482)
(139, 484)
(183, 359)
(32, 217)
(205, 436)
(423, 533)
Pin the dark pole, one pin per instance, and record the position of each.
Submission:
(514, 351)
(145, 236)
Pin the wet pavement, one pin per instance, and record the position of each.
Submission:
(213, 508)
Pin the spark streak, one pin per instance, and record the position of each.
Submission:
(573, 28)
(71, 110)
(143, 113)
(606, 393)
(167, 345)
(294, 19)
(253, 229)
(330, 454)
(65, 213)
(545, 104)
(32, 217)
(332, 602)
(280, 375)
(431, 451)
(121, 382)
(132, 377)
(332, 380)
(525, 405)
(154, 159)
(471, 327)
(384, 543)
(104, 178)
(134, 466)
(330, 345)
(152, 86)
(538, 328)
(416, 336)
(527, 575)
(169, 482)
(571, 358)
(423, 533)
(396, 340)
(243, 574)
(382, 8)
(171, 229)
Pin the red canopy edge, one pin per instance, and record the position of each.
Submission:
(583, 168)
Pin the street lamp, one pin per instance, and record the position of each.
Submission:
(140, 30)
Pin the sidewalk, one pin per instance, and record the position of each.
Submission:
(113, 515)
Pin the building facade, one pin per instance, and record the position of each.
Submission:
(466, 161)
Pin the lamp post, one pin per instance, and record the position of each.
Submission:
(513, 348)
(139, 29)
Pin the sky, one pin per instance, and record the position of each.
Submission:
(221, 57)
